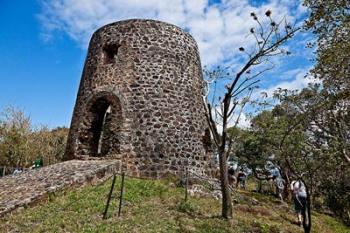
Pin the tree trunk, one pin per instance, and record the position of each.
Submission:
(307, 213)
(225, 190)
(287, 184)
(260, 186)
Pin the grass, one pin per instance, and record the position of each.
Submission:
(157, 206)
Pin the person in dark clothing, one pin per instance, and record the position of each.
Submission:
(231, 177)
(241, 179)
(299, 198)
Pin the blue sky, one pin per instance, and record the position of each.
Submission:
(40, 77)
(43, 44)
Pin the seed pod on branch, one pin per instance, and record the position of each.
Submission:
(268, 13)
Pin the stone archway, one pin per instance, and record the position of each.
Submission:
(100, 130)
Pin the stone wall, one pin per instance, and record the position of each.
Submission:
(140, 100)
(32, 186)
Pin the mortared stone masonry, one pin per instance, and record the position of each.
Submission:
(140, 101)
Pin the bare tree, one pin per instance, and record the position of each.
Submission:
(225, 104)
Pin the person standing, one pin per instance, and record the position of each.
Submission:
(241, 179)
(17, 171)
(299, 197)
(278, 181)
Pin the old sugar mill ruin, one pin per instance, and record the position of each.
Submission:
(140, 100)
(139, 111)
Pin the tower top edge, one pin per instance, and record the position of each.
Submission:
(143, 21)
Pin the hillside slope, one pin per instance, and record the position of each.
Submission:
(157, 206)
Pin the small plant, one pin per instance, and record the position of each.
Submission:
(265, 228)
(187, 207)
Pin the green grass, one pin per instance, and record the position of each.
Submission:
(157, 206)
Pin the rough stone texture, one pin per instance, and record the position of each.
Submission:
(31, 186)
(140, 100)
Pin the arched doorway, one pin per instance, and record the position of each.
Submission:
(100, 131)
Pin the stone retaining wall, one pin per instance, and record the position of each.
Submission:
(34, 185)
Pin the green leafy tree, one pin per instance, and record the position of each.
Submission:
(316, 151)
(330, 22)
(21, 144)
(15, 128)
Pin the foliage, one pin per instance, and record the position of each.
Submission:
(330, 22)
(21, 144)
(14, 140)
(302, 147)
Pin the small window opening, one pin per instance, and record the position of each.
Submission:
(110, 53)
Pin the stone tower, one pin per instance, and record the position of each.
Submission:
(140, 100)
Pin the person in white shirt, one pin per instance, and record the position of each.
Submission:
(299, 198)
(17, 171)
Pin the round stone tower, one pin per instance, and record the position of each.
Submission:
(140, 100)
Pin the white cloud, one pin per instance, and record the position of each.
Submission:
(298, 80)
(218, 28)
(243, 121)
(239, 118)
